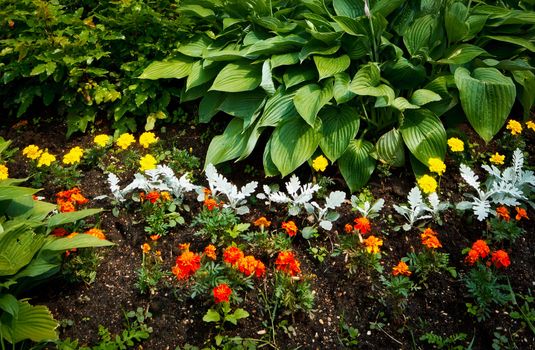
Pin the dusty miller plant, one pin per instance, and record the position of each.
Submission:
(326, 215)
(420, 209)
(366, 208)
(297, 197)
(506, 188)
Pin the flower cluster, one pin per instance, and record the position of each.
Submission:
(33, 152)
(286, 262)
(125, 140)
(504, 214)
(186, 264)
(248, 265)
(290, 227)
(67, 200)
(73, 156)
(222, 293)
(430, 239)
(480, 250)
(401, 269)
(456, 145)
(154, 196)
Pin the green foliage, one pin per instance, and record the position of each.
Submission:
(502, 230)
(150, 273)
(81, 266)
(444, 342)
(430, 261)
(216, 224)
(161, 216)
(292, 295)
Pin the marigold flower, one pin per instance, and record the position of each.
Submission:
(514, 126)
(209, 251)
(497, 159)
(166, 196)
(481, 247)
(59, 232)
(372, 244)
(96, 233)
(320, 163)
(286, 262)
(32, 152)
(155, 237)
(456, 145)
(430, 239)
(72, 235)
(222, 293)
(210, 203)
(184, 246)
(362, 225)
(4, 172)
(427, 183)
(260, 269)
(146, 248)
(248, 265)
(147, 138)
(186, 265)
(78, 198)
(348, 228)
(147, 162)
(521, 213)
(290, 227)
(500, 259)
(66, 207)
(262, 222)
(102, 140)
(401, 269)
(45, 159)
(125, 140)
(232, 254)
(73, 156)
(436, 165)
(503, 213)
(152, 196)
(530, 125)
(472, 257)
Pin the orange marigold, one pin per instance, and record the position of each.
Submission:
(431, 242)
(401, 269)
(210, 203)
(146, 248)
(222, 293)
(262, 222)
(521, 213)
(155, 237)
(348, 228)
(481, 247)
(152, 196)
(286, 262)
(260, 269)
(96, 232)
(503, 213)
(66, 207)
(472, 257)
(372, 244)
(247, 265)
(500, 259)
(232, 254)
(184, 246)
(290, 227)
(209, 251)
(362, 225)
(166, 196)
(186, 265)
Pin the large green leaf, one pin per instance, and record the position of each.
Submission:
(329, 66)
(295, 75)
(238, 77)
(229, 145)
(341, 88)
(421, 97)
(243, 105)
(292, 144)
(67, 218)
(462, 54)
(356, 164)
(339, 126)
(195, 46)
(487, 97)
(417, 38)
(424, 134)
(349, 8)
(31, 322)
(310, 99)
(390, 150)
(278, 44)
(526, 43)
(279, 107)
(210, 104)
(526, 79)
(18, 245)
(79, 241)
(202, 73)
(351, 26)
(286, 59)
(13, 192)
(454, 19)
(367, 82)
(270, 169)
(177, 69)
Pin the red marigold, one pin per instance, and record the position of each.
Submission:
(210, 203)
(186, 265)
(232, 254)
(481, 247)
(96, 232)
(348, 228)
(209, 251)
(286, 262)
(401, 269)
(290, 227)
(260, 269)
(472, 257)
(59, 232)
(66, 207)
(247, 265)
(362, 225)
(521, 213)
(500, 259)
(152, 196)
(222, 293)
(503, 213)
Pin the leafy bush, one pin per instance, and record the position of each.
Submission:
(342, 75)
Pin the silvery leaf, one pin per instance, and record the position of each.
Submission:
(326, 225)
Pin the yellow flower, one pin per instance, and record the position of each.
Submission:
(514, 126)
(427, 183)
(147, 162)
(456, 145)
(320, 163)
(436, 165)
(46, 159)
(497, 158)
(372, 244)
(102, 140)
(125, 140)
(147, 138)
(32, 152)
(73, 156)
(530, 125)
(4, 172)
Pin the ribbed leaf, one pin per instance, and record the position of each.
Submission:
(79, 241)
(329, 66)
(356, 164)
(390, 149)
(367, 82)
(309, 99)
(201, 73)
(267, 78)
(238, 77)
(386, 7)
(424, 134)
(13, 192)
(210, 104)
(454, 20)
(295, 75)
(462, 54)
(32, 322)
(341, 88)
(527, 44)
(401, 104)
(417, 37)
(196, 10)
(229, 145)
(339, 126)
(196, 46)
(315, 47)
(487, 97)
(67, 218)
(349, 8)
(351, 26)
(278, 44)
(292, 144)
(270, 169)
(243, 104)
(176, 69)
(286, 59)
(527, 80)
(421, 97)
(18, 245)
(279, 107)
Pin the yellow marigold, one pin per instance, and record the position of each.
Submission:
(497, 158)
(147, 162)
(320, 163)
(427, 183)
(125, 140)
(146, 248)
(32, 152)
(456, 145)
(46, 159)
(102, 140)
(73, 156)
(514, 126)
(530, 125)
(147, 138)
(436, 165)
(372, 244)
(4, 172)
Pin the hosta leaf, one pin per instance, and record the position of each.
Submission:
(270, 169)
(421, 97)
(31, 322)
(418, 35)
(404, 74)
(196, 10)
(367, 82)
(390, 150)
(195, 47)
(386, 7)
(341, 88)
(401, 104)
(527, 98)
(176, 69)
(209, 105)
(527, 44)
(70, 217)
(286, 59)
(18, 245)
(243, 104)
(318, 48)
(79, 241)
(292, 144)
(424, 134)
(278, 44)
(356, 164)
(201, 74)
(454, 20)
(351, 26)
(340, 126)
(295, 75)
(279, 107)
(461, 54)
(229, 145)
(329, 66)
(310, 99)
(349, 8)
(238, 77)
(487, 97)
(267, 78)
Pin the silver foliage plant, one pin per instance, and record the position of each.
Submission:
(509, 187)
(419, 208)
(367, 209)
(327, 214)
